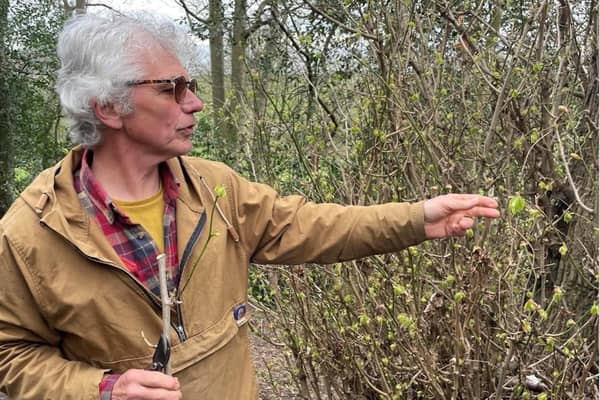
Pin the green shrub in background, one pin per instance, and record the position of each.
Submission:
(406, 100)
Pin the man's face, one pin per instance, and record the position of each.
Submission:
(159, 127)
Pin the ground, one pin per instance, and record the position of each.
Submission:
(274, 379)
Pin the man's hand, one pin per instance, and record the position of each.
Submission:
(138, 384)
(452, 214)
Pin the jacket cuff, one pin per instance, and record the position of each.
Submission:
(417, 216)
(106, 386)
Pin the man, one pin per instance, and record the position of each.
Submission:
(79, 308)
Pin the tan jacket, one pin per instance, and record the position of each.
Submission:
(70, 311)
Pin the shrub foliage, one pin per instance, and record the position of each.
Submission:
(378, 101)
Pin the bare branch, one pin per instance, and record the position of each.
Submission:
(103, 6)
(338, 23)
(190, 13)
(568, 172)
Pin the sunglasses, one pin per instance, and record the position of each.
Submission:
(179, 85)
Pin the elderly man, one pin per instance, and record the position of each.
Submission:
(80, 293)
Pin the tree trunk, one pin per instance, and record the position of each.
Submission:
(6, 161)
(238, 49)
(215, 29)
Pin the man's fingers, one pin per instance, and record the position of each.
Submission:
(483, 212)
(468, 201)
(147, 385)
(156, 394)
(154, 379)
(459, 227)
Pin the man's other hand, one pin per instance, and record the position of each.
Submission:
(452, 214)
(138, 384)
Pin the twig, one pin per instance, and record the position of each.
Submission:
(210, 236)
(568, 172)
(189, 13)
(339, 23)
(500, 101)
(166, 304)
(105, 6)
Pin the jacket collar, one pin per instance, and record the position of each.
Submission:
(88, 187)
(53, 198)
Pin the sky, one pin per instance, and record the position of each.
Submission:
(168, 8)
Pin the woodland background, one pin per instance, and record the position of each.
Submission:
(363, 102)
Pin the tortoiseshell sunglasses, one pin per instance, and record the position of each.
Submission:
(179, 84)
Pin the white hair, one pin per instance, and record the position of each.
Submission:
(99, 54)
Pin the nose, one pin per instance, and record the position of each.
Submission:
(191, 103)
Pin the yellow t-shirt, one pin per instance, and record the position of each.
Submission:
(149, 213)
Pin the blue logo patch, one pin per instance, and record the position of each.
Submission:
(239, 314)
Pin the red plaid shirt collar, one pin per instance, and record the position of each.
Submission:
(131, 242)
(88, 183)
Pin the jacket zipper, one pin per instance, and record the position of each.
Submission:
(179, 326)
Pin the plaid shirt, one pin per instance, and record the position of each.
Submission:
(131, 241)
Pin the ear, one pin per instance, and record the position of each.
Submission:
(108, 114)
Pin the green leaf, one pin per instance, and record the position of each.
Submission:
(516, 204)
(534, 135)
(405, 320)
(531, 306)
(399, 290)
(364, 320)
(459, 296)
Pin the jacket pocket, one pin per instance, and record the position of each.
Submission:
(202, 345)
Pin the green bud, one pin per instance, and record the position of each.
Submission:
(531, 306)
(220, 191)
(399, 290)
(567, 217)
(526, 326)
(459, 297)
(563, 249)
(364, 320)
(557, 294)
